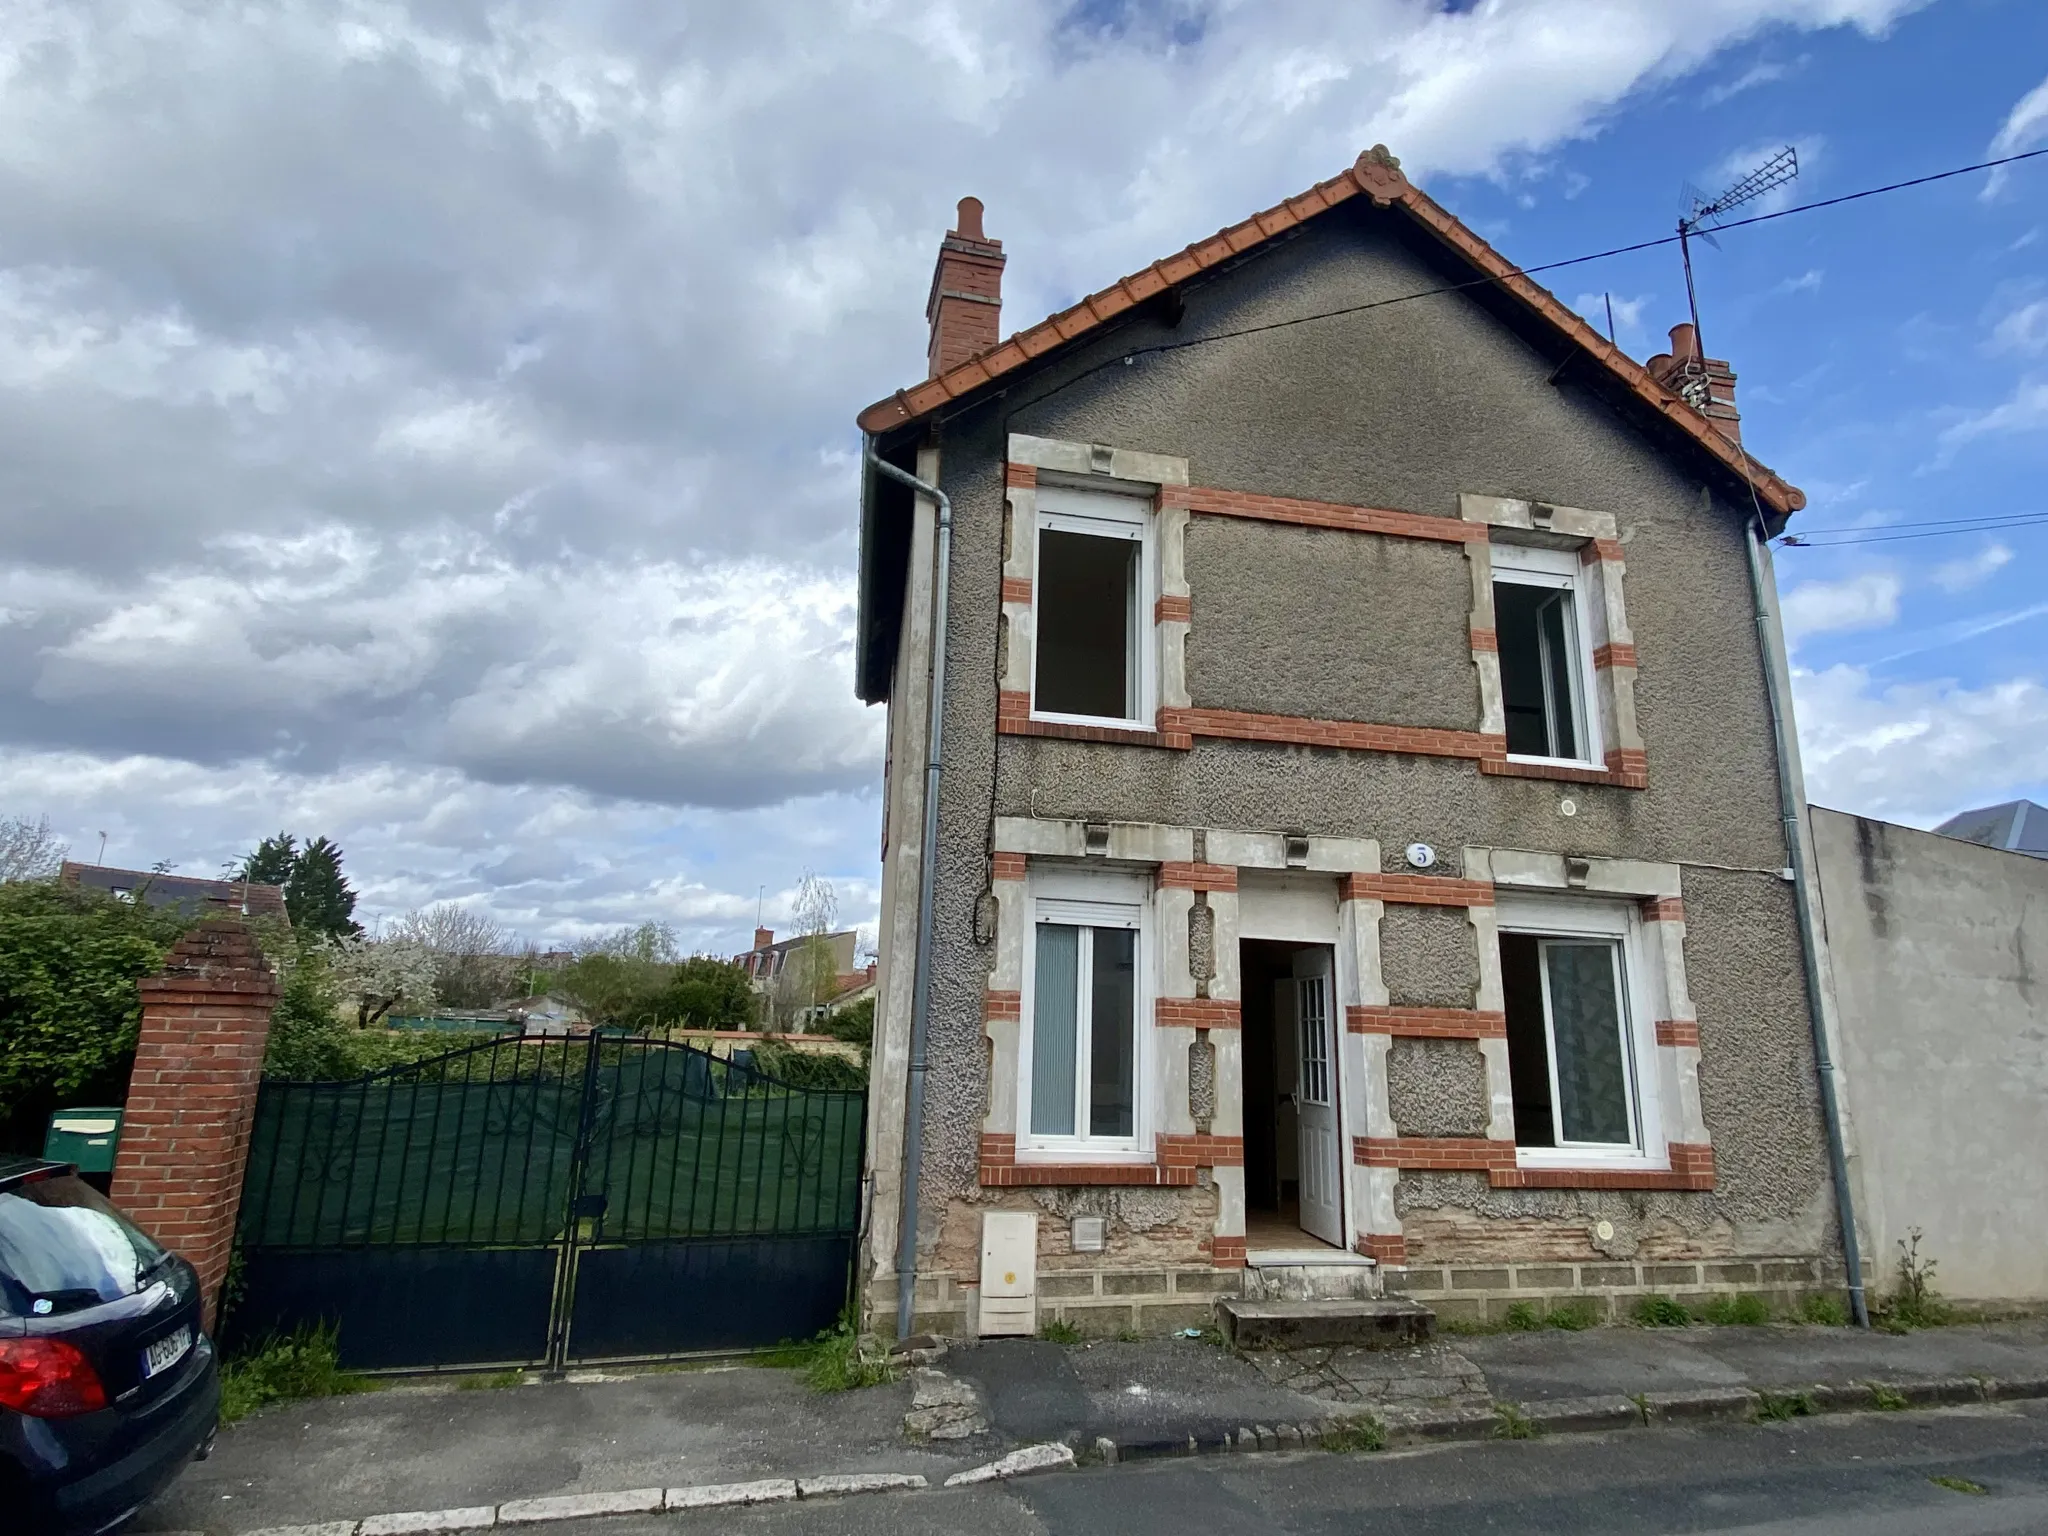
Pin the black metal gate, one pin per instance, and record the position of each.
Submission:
(526, 1202)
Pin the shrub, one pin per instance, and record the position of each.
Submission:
(808, 1069)
(855, 1023)
(839, 1359)
(1522, 1317)
(1057, 1330)
(1360, 1434)
(1574, 1316)
(1887, 1400)
(1914, 1302)
(1661, 1312)
(1510, 1423)
(1736, 1311)
(285, 1368)
(1823, 1311)
(1774, 1407)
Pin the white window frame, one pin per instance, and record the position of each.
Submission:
(1106, 515)
(1621, 922)
(1559, 570)
(1096, 899)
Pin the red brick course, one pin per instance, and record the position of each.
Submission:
(1596, 550)
(1196, 1013)
(1692, 1168)
(1017, 589)
(1356, 735)
(1227, 1252)
(1626, 769)
(1426, 1023)
(1200, 1151)
(1008, 866)
(1416, 890)
(1013, 718)
(1023, 475)
(1663, 909)
(1678, 1032)
(1040, 1175)
(1478, 1154)
(997, 1004)
(1322, 514)
(1167, 610)
(192, 1093)
(1198, 877)
(1383, 1247)
(1614, 653)
(1485, 639)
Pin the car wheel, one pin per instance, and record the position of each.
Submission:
(206, 1446)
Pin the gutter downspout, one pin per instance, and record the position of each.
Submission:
(1777, 675)
(921, 981)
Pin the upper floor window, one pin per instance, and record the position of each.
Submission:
(1546, 654)
(1575, 1005)
(1091, 594)
(1084, 998)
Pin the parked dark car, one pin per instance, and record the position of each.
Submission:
(108, 1384)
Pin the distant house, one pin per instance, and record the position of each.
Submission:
(767, 960)
(2018, 826)
(194, 896)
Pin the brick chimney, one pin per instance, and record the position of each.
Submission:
(966, 304)
(1705, 383)
(763, 937)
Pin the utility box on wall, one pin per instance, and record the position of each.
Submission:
(1009, 1273)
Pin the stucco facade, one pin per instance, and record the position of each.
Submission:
(1327, 499)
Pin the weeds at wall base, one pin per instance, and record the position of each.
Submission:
(286, 1368)
(841, 1359)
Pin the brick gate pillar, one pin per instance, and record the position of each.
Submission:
(205, 1023)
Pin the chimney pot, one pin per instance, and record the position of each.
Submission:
(1707, 384)
(965, 307)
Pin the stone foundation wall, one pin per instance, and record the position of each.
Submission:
(1482, 1293)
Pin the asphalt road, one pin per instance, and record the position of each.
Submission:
(1869, 1474)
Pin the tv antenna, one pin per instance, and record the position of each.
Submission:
(1703, 213)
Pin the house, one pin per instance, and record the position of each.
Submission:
(1933, 942)
(1350, 840)
(767, 961)
(2019, 826)
(194, 896)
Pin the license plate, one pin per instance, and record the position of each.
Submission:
(166, 1352)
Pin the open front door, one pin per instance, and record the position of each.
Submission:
(1315, 1098)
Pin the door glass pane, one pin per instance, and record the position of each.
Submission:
(1055, 1022)
(1113, 1031)
(1315, 1040)
(1585, 1029)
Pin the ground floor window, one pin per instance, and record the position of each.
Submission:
(1572, 1055)
(1082, 1071)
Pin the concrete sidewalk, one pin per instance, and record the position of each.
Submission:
(434, 1447)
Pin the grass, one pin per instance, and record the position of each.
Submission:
(1776, 1407)
(1057, 1330)
(1661, 1312)
(285, 1368)
(1914, 1302)
(490, 1381)
(1823, 1311)
(1510, 1423)
(1466, 1328)
(1885, 1398)
(1522, 1317)
(841, 1359)
(1360, 1434)
(1958, 1485)
(1736, 1311)
(1573, 1316)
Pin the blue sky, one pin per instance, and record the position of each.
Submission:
(430, 424)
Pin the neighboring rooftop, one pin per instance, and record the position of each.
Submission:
(2017, 826)
(191, 895)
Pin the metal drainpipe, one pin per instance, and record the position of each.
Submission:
(921, 986)
(1776, 670)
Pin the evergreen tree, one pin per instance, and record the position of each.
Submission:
(316, 895)
(320, 901)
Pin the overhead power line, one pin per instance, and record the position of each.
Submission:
(1805, 540)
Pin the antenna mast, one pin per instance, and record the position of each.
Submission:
(1700, 218)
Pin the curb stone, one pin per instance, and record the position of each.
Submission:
(1032, 1458)
(578, 1506)
(1583, 1415)
(430, 1522)
(771, 1490)
(1700, 1403)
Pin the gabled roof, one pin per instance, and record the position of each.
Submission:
(1376, 175)
(193, 895)
(2018, 826)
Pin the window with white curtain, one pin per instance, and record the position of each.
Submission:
(1082, 1076)
(1544, 637)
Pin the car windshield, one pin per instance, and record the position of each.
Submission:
(63, 1247)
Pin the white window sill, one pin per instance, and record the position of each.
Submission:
(1589, 1160)
(1101, 722)
(1080, 1152)
(1585, 764)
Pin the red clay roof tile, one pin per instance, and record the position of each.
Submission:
(1378, 175)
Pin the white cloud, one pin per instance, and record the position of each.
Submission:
(1869, 601)
(2025, 411)
(1808, 281)
(2024, 128)
(1960, 575)
(1918, 752)
(2024, 329)
(1628, 313)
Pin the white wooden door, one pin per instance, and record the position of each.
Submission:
(1315, 1098)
